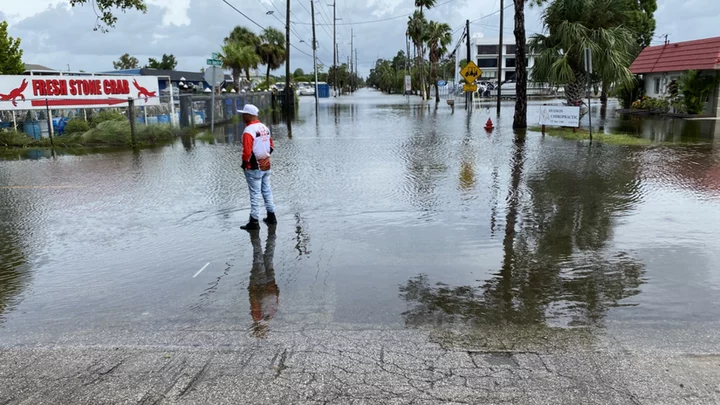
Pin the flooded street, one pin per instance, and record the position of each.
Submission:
(394, 220)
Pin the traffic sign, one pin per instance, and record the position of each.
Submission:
(214, 62)
(408, 84)
(471, 72)
(214, 76)
(215, 55)
(470, 88)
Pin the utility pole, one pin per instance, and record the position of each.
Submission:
(357, 76)
(500, 55)
(352, 35)
(334, 5)
(312, 11)
(287, 58)
(468, 95)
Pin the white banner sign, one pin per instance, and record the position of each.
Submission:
(69, 92)
(408, 83)
(560, 116)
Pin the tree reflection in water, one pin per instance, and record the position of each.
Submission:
(557, 268)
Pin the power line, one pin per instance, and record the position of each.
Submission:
(376, 21)
(243, 14)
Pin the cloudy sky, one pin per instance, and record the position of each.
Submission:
(55, 35)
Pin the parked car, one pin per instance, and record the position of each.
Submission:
(307, 91)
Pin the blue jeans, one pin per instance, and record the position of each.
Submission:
(259, 186)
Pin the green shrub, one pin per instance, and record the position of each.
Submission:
(76, 125)
(654, 105)
(118, 133)
(14, 139)
(106, 115)
(627, 94)
(696, 88)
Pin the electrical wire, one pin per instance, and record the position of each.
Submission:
(380, 20)
(243, 14)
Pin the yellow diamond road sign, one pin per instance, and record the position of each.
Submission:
(471, 72)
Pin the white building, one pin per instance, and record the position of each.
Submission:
(484, 52)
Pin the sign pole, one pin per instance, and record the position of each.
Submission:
(212, 101)
(312, 11)
(468, 96)
(131, 117)
(14, 121)
(588, 70)
(50, 124)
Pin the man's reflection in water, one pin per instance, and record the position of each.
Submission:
(263, 291)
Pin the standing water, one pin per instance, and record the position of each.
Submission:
(391, 214)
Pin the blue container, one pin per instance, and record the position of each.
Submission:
(323, 90)
(32, 128)
(163, 119)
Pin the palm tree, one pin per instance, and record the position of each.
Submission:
(416, 29)
(438, 37)
(244, 36)
(272, 50)
(239, 57)
(572, 26)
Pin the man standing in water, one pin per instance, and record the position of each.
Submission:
(257, 148)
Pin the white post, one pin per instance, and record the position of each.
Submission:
(212, 107)
(145, 113)
(14, 121)
(172, 103)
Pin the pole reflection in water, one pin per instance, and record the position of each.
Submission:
(262, 289)
(557, 268)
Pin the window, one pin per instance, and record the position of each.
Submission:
(487, 49)
(509, 75)
(657, 86)
(510, 62)
(510, 49)
(487, 63)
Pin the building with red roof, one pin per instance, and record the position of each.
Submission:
(661, 65)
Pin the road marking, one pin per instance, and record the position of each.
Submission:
(201, 270)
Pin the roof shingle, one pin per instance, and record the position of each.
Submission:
(702, 54)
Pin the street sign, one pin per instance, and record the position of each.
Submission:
(214, 62)
(408, 83)
(471, 72)
(215, 55)
(214, 76)
(588, 60)
(442, 83)
(470, 88)
(560, 116)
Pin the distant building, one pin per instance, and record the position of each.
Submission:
(662, 64)
(484, 52)
(35, 70)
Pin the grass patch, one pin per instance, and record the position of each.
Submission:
(107, 133)
(582, 134)
(206, 137)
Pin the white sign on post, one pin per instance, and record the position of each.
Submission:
(214, 76)
(408, 83)
(70, 92)
(560, 116)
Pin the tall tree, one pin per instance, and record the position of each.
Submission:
(272, 50)
(167, 62)
(126, 62)
(244, 36)
(520, 116)
(10, 53)
(239, 57)
(298, 73)
(572, 26)
(416, 29)
(438, 37)
(642, 21)
(104, 10)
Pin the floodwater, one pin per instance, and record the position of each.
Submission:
(391, 215)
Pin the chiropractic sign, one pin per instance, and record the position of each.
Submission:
(560, 116)
(69, 92)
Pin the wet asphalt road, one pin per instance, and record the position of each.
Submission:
(418, 258)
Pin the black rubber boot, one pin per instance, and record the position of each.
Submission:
(271, 219)
(252, 225)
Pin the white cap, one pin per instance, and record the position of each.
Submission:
(250, 110)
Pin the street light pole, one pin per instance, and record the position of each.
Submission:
(287, 57)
